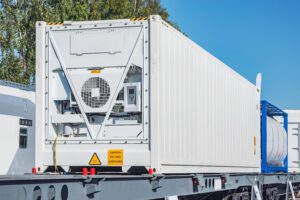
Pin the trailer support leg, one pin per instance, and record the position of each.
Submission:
(255, 194)
(289, 187)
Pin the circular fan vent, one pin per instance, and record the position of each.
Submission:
(95, 92)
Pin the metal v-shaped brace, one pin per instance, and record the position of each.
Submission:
(120, 84)
(62, 63)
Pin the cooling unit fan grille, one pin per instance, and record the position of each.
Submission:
(95, 92)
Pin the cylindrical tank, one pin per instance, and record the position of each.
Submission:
(277, 142)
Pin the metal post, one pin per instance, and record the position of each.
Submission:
(264, 136)
(289, 186)
(285, 125)
(255, 194)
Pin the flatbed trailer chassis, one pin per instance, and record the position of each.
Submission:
(191, 186)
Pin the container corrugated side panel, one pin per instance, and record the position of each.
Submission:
(204, 115)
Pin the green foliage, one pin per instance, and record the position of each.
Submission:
(18, 17)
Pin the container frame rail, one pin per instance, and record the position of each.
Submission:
(170, 187)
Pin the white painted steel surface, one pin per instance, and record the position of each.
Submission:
(16, 102)
(277, 142)
(293, 140)
(204, 116)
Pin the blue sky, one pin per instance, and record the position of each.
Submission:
(249, 36)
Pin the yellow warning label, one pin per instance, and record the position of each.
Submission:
(95, 160)
(96, 71)
(115, 157)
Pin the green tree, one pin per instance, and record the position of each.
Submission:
(18, 17)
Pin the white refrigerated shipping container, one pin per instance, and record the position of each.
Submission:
(140, 93)
(293, 140)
